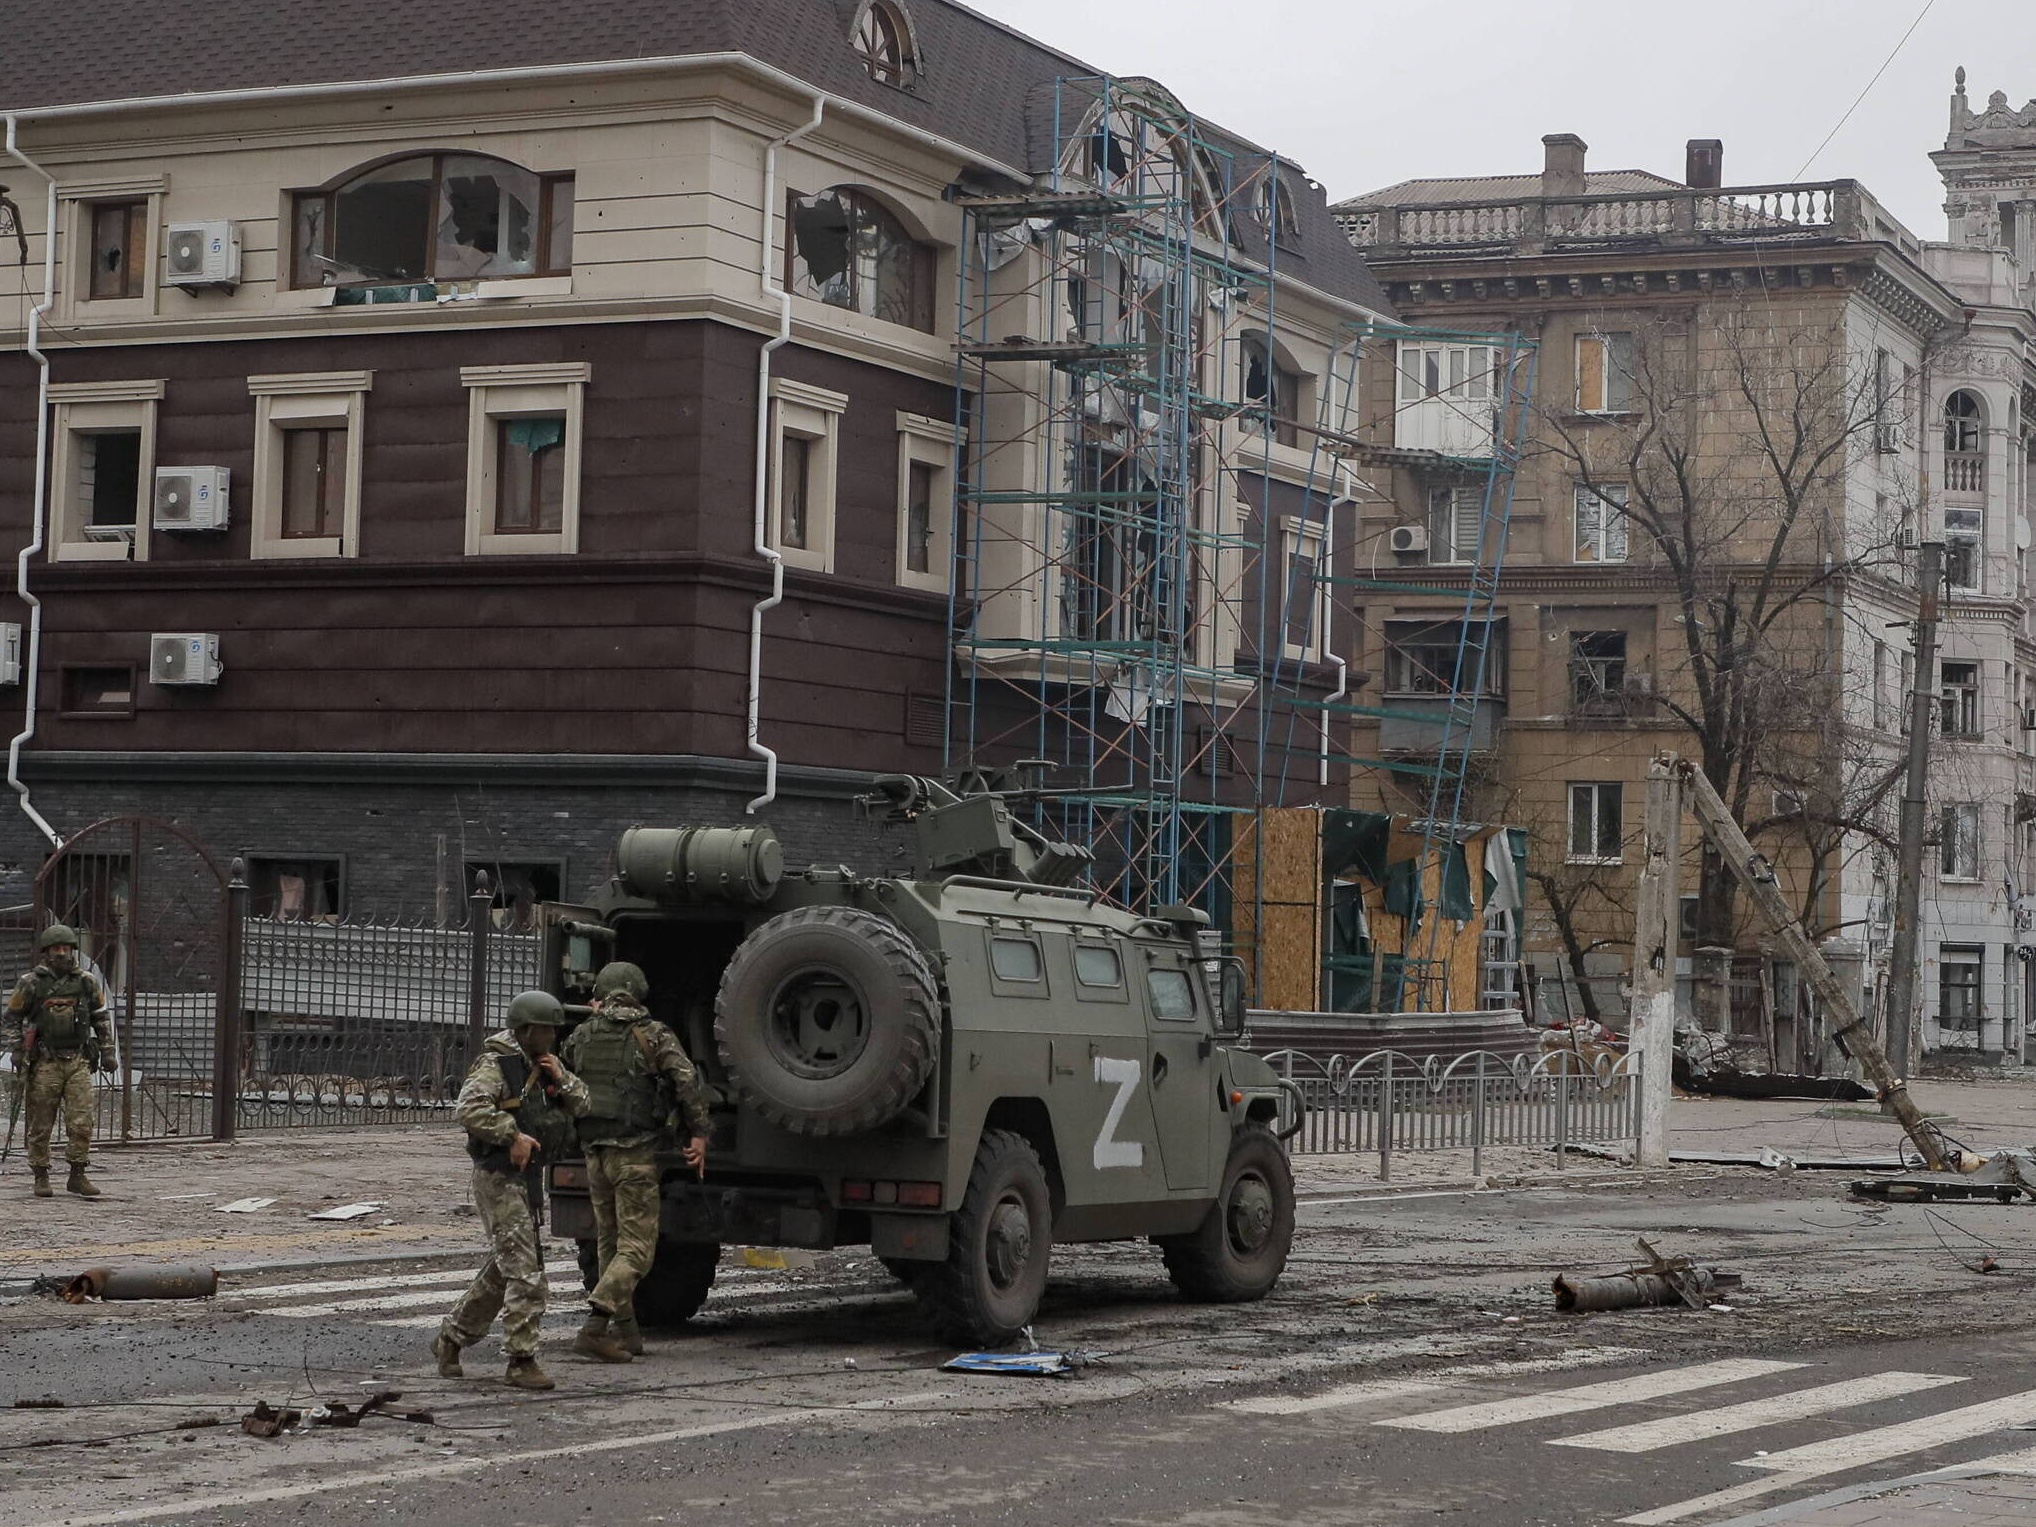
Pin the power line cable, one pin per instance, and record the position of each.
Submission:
(1866, 89)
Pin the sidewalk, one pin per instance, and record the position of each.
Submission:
(162, 1201)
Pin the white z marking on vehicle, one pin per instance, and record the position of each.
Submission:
(1110, 1151)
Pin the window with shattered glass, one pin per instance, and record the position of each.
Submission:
(530, 474)
(845, 250)
(433, 217)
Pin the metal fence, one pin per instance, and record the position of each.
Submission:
(1386, 1102)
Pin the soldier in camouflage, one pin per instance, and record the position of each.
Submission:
(638, 1075)
(517, 1108)
(58, 1031)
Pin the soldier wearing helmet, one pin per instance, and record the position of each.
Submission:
(58, 1031)
(517, 1107)
(639, 1077)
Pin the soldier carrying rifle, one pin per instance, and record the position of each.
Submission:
(58, 1031)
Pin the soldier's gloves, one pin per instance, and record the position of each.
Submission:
(106, 1064)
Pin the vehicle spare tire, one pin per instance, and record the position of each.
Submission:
(827, 1020)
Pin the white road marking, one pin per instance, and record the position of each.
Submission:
(1380, 1389)
(1836, 1453)
(1567, 1402)
(451, 1468)
(1816, 1460)
(1668, 1431)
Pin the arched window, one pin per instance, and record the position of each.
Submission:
(433, 217)
(844, 249)
(1276, 208)
(1964, 425)
(883, 41)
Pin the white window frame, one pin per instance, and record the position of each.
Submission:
(328, 400)
(1606, 545)
(496, 393)
(1315, 537)
(813, 414)
(1959, 827)
(1446, 550)
(77, 199)
(926, 441)
(1597, 789)
(90, 408)
(1971, 530)
(1606, 343)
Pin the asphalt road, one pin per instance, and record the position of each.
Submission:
(1411, 1367)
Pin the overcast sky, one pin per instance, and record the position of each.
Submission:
(1363, 93)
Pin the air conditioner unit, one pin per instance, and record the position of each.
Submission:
(10, 652)
(1409, 538)
(191, 498)
(183, 657)
(200, 255)
(1887, 438)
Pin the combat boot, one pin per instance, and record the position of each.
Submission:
(42, 1187)
(595, 1342)
(623, 1328)
(525, 1374)
(447, 1351)
(80, 1184)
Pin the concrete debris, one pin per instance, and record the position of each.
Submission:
(338, 1413)
(347, 1211)
(243, 1206)
(120, 1283)
(1766, 1157)
(2004, 1176)
(1660, 1281)
(266, 1421)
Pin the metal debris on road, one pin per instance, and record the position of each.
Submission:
(1041, 1364)
(243, 1206)
(119, 1283)
(266, 1421)
(1659, 1281)
(346, 1211)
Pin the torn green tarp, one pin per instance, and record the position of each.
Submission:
(1355, 840)
(534, 435)
(1403, 888)
(1365, 983)
(1403, 893)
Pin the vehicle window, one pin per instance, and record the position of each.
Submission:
(1015, 959)
(1173, 995)
(1096, 965)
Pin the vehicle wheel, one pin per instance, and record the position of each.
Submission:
(827, 1020)
(590, 1264)
(1240, 1249)
(672, 1292)
(989, 1287)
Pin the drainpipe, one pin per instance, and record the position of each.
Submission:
(767, 277)
(32, 659)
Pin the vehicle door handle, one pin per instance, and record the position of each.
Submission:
(1158, 1069)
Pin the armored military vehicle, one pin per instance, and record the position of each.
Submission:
(958, 1068)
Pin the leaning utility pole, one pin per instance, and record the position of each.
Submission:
(1923, 700)
(1659, 914)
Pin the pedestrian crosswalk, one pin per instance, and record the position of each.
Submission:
(1695, 1403)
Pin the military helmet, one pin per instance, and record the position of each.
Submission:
(535, 1009)
(621, 976)
(55, 934)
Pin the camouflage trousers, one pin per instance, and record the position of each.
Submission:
(623, 1182)
(511, 1282)
(59, 1082)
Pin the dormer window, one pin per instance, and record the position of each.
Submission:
(433, 217)
(1276, 208)
(883, 41)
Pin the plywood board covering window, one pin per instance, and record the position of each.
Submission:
(307, 470)
(524, 426)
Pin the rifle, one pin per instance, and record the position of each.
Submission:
(20, 1087)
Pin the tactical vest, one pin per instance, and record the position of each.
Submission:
(607, 1055)
(62, 1012)
(536, 1115)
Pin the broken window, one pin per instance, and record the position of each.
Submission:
(519, 886)
(1455, 520)
(1425, 657)
(1276, 208)
(848, 252)
(1597, 672)
(96, 691)
(1273, 390)
(881, 43)
(119, 249)
(1606, 366)
(109, 480)
(1962, 548)
(920, 480)
(434, 217)
(530, 474)
(795, 493)
(314, 482)
(296, 888)
(1958, 841)
(1115, 586)
(1596, 822)
(1959, 688)
(1306, 592)
(1961, 971)
(1601, 522)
